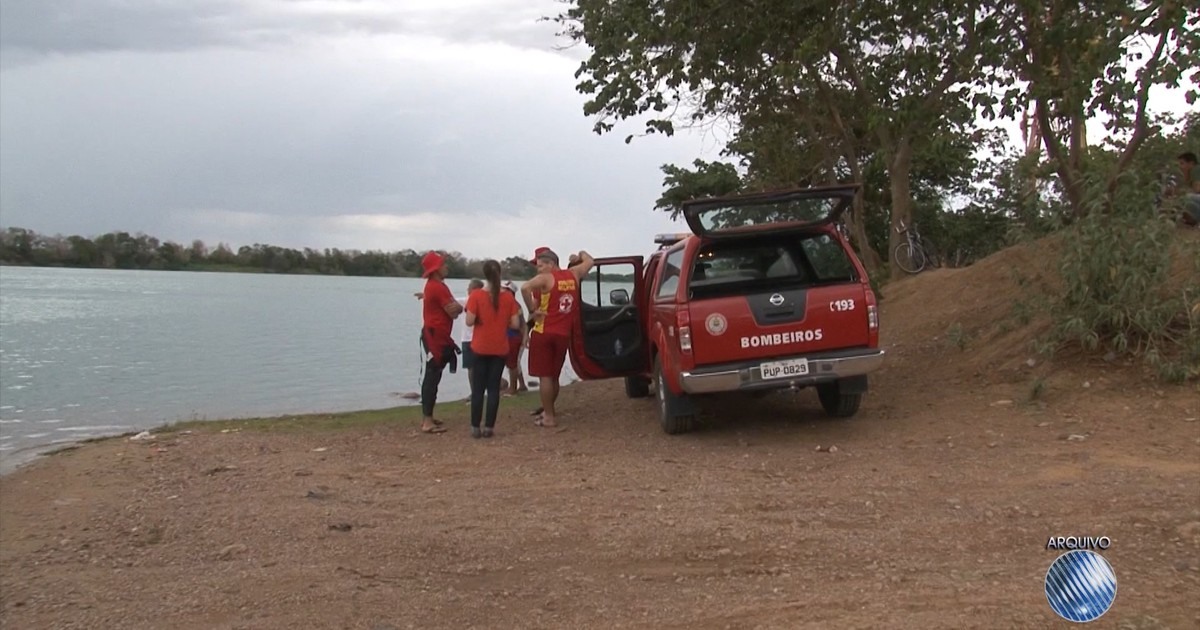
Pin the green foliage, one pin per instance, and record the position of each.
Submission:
(958, 337)
(120, 250)
(1115, 270)
(709, 179)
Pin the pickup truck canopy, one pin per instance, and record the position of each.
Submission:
(792, 209)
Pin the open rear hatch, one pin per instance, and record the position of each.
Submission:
(767, 282)
(789, 210)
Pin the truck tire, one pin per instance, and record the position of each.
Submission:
(637, 386)
(671, 408)
(835, 402)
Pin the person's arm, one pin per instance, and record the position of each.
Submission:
(586, 262)
(471, 309)
(453, 307)
(514, 319)
(441, 295)
(540, 282)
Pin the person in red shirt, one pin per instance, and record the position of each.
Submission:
(492, 313)
(439, 309)
(553, 318)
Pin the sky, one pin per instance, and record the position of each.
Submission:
(357, 124)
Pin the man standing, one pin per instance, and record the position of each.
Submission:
(439, 310)
(553, 319)
(1189, 188)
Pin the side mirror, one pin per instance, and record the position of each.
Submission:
(618, 297)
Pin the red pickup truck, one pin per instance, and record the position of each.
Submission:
(765, 293)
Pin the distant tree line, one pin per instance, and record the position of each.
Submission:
(121, 250)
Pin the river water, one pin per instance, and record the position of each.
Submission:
(91, 352)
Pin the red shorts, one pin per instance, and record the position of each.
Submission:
(514, 353)
(547, 353)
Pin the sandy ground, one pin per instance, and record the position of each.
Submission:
(932, 511)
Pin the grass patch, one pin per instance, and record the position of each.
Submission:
(408, 415)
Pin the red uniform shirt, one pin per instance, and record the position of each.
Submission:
(491, 325)
(559, 303)
(434, 315)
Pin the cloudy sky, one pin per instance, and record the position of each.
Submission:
(367, 124)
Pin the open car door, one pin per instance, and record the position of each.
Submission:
(794, 209)
(610, 339)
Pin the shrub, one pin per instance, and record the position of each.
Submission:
(1117, 294)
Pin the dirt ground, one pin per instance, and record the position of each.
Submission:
(932, 511)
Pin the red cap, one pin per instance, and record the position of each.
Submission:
(542, 251)
(431, 263)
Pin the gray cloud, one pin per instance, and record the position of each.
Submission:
(333, 136)
(33, 29)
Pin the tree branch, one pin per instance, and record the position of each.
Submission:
(1140, 128)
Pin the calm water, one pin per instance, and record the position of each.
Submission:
(87, 352)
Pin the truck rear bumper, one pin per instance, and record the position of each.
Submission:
(747, 375)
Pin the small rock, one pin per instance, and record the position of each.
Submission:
(341, 527)
(1001, 403)
(230, 551)
(993, 444)
(1075, 437)
(1030, 362)
(143, 436)
(320, 449)
(1043, 424)
(303, 473)
(1190, 419)
(1087, 384)
(833, 449)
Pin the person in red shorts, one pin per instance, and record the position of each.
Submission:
(517, 340)
(553, 317)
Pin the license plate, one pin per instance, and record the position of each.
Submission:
(785, 369)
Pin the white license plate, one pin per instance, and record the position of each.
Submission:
(785, 369)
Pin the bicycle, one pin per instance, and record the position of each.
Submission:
(915, 252)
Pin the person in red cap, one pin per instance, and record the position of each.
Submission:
(553, 318)
(439, 310)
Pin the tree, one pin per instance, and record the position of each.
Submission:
(1070, 60)
(907, 65)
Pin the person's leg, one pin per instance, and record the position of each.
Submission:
(549, 385)
(495, 372)
(429, 391)
(478, 390)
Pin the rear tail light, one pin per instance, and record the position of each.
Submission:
(872, 317)
(683, 321)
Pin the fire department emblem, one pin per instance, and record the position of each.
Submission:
(715, 324)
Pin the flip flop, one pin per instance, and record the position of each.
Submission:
(437, 422)
(433, 429)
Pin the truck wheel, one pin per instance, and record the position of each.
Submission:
(671, 408)
(637, 386)
(836, 403)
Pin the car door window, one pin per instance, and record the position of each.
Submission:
(671, 270)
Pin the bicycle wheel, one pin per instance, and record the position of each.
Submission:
(932, 259)
(909, 260)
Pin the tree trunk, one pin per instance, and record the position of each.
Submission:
(899, 174)
(858, 222)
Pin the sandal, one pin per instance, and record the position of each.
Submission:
(433, 429)
(487, 432)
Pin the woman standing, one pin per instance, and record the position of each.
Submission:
(492, 313)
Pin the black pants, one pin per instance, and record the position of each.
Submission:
(489, 369)
(429, 386)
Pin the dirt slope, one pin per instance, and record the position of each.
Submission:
(931, 512)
